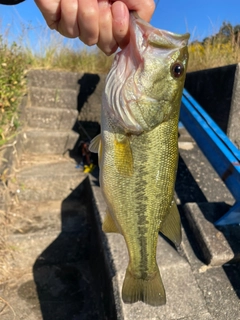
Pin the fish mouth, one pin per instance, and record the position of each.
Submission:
(167, 39)
(157, 37)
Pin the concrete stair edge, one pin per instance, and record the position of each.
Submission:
(49, 142)
(53, 79)
(52, 97)
(51, 118)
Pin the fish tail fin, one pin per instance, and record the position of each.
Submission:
(150, 291)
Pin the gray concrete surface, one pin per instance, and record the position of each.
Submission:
(234, 117)
(205, 199)
(219, 285)
(48, 255)
(52, 97)
(53, 79)
(59, 265)
(49, 142)
(215, 247)
(53, 89)
(50, 262)
(213, 89)
(217, 90)
(51, 118)
(198, 179)
(41, 182)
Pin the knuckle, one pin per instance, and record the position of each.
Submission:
(89, 41)
(108, 50)
(67, 31)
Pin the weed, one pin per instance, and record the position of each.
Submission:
(221, 49)
(12, 67)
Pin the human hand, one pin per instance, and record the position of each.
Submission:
(101, 22)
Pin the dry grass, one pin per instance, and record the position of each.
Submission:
(53, 51)
(5, 251)
(219, 50)
(208, 55)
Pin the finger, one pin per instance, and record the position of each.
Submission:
(50, 11)
(144, 8)
(120, 23)
(106, 41)
(68, 24)
(88, 21)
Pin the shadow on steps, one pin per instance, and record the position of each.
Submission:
(70, 275)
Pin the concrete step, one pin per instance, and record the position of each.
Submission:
(218, 245)
(49, 263)
(51, 118)
(220, 285)
(48, 181)
(49, 142)
(205, 198)
(53, 98)
(53, 79)
(184, 298)
(28, 160)
(197, 181)
(30, 217)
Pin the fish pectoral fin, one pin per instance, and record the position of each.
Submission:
(123, 158)
(95, 144)
(150, 291)
(108, 224)
(96, 147)
(171, 226)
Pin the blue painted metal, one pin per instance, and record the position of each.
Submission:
(216, 146)
(232, 217)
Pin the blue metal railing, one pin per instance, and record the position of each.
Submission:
(217, 147)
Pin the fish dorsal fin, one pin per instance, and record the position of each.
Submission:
(95, 144)
(171, 226)
(108, 224)
(123, 155)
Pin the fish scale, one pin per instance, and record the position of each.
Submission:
(138, 158)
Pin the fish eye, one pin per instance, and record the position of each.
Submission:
(177, 69)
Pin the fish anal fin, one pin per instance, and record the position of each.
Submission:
(123, 158)
(109, 224)
(150, 291)
(171, 226)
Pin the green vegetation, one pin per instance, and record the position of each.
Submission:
(221, 49)
(58, 53)
(91, 61)
(12, 67)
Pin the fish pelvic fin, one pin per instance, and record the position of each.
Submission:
(151, 290)
(171, 226)
(108, 224)
(123, 155)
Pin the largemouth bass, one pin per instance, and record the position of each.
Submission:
(138, 151)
